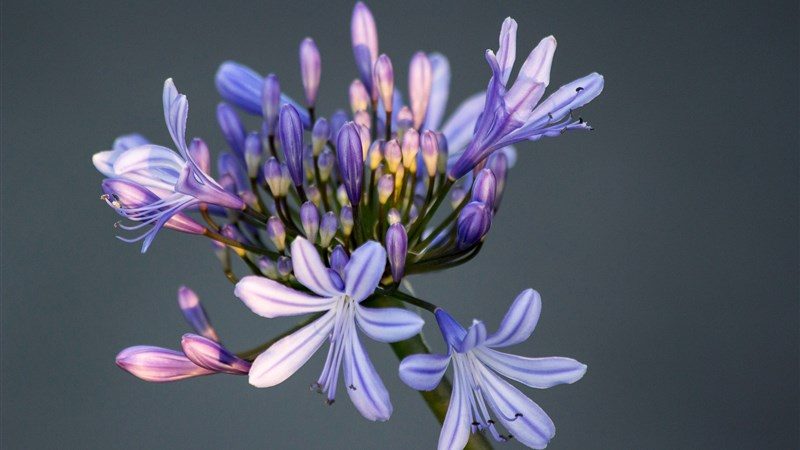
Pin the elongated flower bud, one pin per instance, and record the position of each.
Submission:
(276, 232)
(325, 164)
(443, 151)
(405, 120)
(320, 135)
(364, 35)
(384, 81)
(309, 218)
(419, 86)
(396, 250)
(346, 219)
(201, 155)
(125, 195)
(272, 175)
(211, 355)
(158, 365)
(327, 228)
(271, 102)
(341, 195)
(290, 129)
(484, 188)
(310, 70)
(473, 224)
(314, 195)
(232, 128)
(351, 161)
(363, 134)
(375, 154)
(385, 188)
(359, 97)
(339, 259)
(195, 314)
(498, 164)
(252, 154)
(393, 155)
(410, 147)
(430, 152)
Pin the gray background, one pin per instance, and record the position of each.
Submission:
(664, 244)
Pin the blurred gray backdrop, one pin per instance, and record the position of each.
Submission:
(665, 244)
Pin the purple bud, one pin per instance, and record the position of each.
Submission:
(385, 187)
(320, 135)
(158, 365)
(314, 195)
(290, 130)
(122, 194)
(212, 356)
(405, 118)
(268, 267)
(310, 70)
(443, 151)
(384, 81)
(252, 154)
(430, 152)
(276, 232)
(351, 161)
(410, 147)
(338, 119)
(393, 216)
(359, 97)
(346, 218)
(375, 154)
(339, 259)
(364, 35)
(473, 224)
(232, 128)
(239, 84)
(195, 314)
(272, 175)
(363, 133)
(198, 150)
(325, 164)
(363, 119)
(393, 155)
(419, 86)
(396, 250)
(271, 102)
(309, 217)
(341, 195)
(230, 232)
(327, 228)
(498, 164)
(284, 266)
(230, 165)
(484, 188)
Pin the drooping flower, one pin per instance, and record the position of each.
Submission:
(481, 399)
(338, 298)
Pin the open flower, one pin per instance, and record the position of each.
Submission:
(481, 399)
(338, 298)
(179, 180)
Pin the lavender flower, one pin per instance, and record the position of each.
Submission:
(310, 70)
(481, 399)
(291, 134)
(351, 161)
(339, 299)
(158, 365)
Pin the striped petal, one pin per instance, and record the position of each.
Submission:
(440, 90)
(388, 324)
(270, 299)
(423, 372)
(476, 335)
(539, 373)
(364, 385)
(456, 426)
(364, 270)
(519, 322)
(284, 357)
(309, 269)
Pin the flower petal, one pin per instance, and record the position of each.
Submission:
(452, 331)
(388, 324)
(507, 52)
(440, 90)
(519, 322)
(309, 269)
(460, 126)
(284, 357)
(526, 421)
(364, 270)
(539, 373)
(364, 385)
(270, 299)
(476, 334)
(176, 111)
(158, 365)
(423, 372)
(533, 78)
(456, 426)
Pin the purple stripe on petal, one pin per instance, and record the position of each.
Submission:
(211, 355)
(270, 299)
(423, 372)
(158, 365)
(364, 270)
(519, 322)
(538, 373)
(388, 324)
(309, 269)
(195, 314)
(364, 385)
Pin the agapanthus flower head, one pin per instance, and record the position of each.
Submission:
(481, 399)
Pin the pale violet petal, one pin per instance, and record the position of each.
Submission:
(523, 418)
(176, 111)
(460, 126)
(440, 90)
(159, 161)
(507, 52)
(364, 270)
(423, 372)
(270, 299)
(511, 155)
(519, 322)
(363, 384)
(127, 141)
(456, 426)
(104, 161)
(539, 373)
(560, 103)
(388, 324)
(309, 269)
(532, 80)
(283, 358)
(476, 335)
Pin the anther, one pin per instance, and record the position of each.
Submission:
(330, 401)
(578, 89)
(352, 387)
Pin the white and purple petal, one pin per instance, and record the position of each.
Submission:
(539, 373)
(423, 372)
(388, 324)
(440, 90)
(270, 299)
(363, 384)
(364, 270)
(310, 270)
(158, 365)
(457, 422)
(519, 322)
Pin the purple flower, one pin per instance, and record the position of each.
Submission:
(473, 223)
(158, 365)
(232, 128)
(364, 35)
(397, 249)
(195, 314)
(505, 116)
(339, 298)
(351, 161)
(481, 399)
(384, 81)
(211, 355)
(310, 70)
(290, 130)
